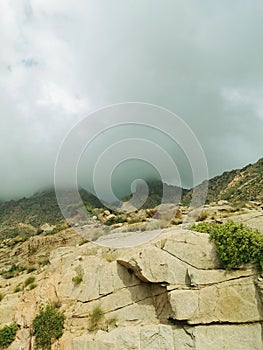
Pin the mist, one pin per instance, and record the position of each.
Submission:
(60, 62)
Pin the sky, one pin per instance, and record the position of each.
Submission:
(61, 60)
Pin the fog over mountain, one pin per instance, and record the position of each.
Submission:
(62, 60)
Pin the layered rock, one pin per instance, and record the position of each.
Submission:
(167, 294)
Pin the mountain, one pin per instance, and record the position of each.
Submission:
(236, 186)
(170, 293)
(36, 210)
(240, 185)
(158, 193)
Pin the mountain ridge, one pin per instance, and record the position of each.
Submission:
(235, 186)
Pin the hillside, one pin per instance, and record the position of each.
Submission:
(39, 208)
(168, 292)
(238, 185)
(235, 186)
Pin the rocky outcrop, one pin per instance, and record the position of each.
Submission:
(165, 337)
(167, 294)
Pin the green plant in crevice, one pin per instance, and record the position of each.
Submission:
(48, 326)
(96, 317)
(29, 281)
(77, 279)
(236, 244)
(112, 321)
(32, 286)
(12, 272)
(8, 335)
(18, 289)
(31, 268)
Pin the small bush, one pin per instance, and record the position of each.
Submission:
(7, 275)
(44, 262)
(1, 296)
(112, 322)
(236, 244)
(96, 317)
(8, 335)
(203, 215)
(32, 286)
(13, 268)
(31, 269)
(12, 272)
(29, 281)
(17, 289)
(48, 326)
(77, 279)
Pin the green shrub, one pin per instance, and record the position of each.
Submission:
(77, 279)
(48, 326)
(44, 262)
(96, 317)
(13, 268)
(17, 289)
(29, 281)
(31, 269)
(7, 275)
(8, 335)
(1, 296)
(32, 286)
(236, 244)
(12, 272)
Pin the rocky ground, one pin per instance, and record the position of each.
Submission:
(169, 293)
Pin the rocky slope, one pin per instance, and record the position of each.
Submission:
(235, 186)
(166, 294)
(240, 185)
(169, 293)
(35, 211)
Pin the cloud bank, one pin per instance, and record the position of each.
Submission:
(62, 60)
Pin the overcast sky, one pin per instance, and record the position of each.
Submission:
(60, 60)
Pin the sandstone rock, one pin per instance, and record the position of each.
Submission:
(232, 301)
(252, 219)
(8, 308)
(166, 294)
(165, 337)
(226, 337)
(193, 248)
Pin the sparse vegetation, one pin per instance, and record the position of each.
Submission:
(32, 286)
(236, 244)
(29, 281)
(48, 326)
(77, 279)
(44, 262)
(96, 317)
(12, 272)
(8, 335)
(112, 322)
(203, 215)
(31, 269)
(18, 289)
(1, 296)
